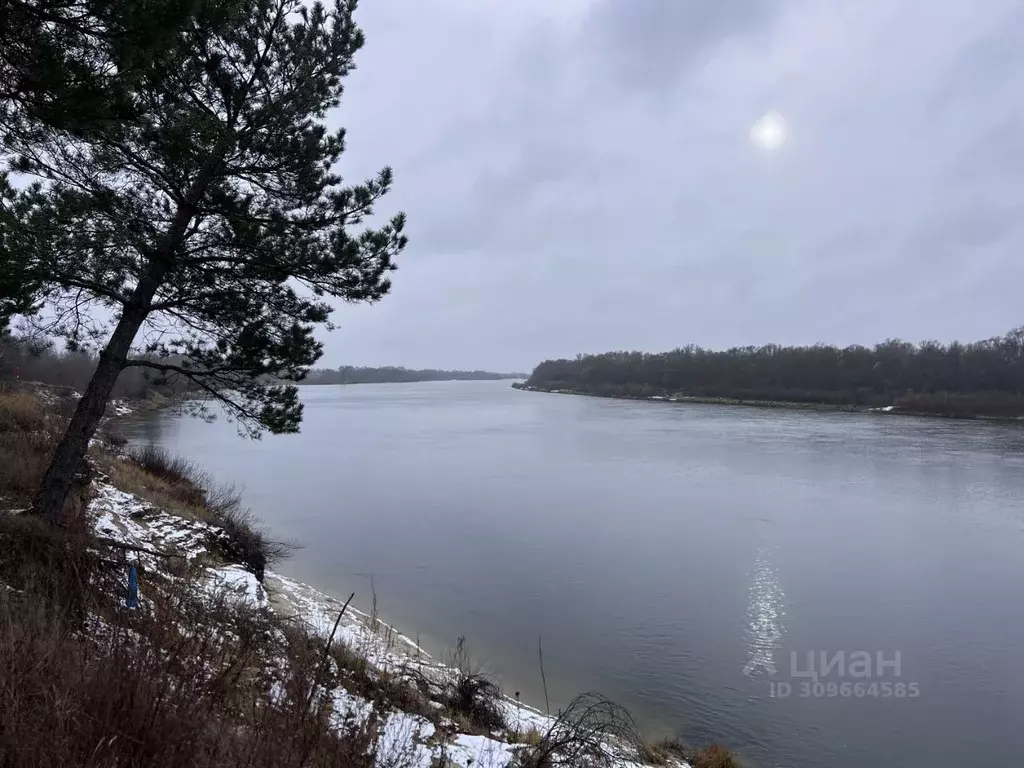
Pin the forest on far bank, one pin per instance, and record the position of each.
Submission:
(981, 378)
(348, 374)
(26, 360)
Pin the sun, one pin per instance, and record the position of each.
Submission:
(769, 132)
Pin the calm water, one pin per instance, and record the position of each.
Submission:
(662, 550)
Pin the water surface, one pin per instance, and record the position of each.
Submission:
(673, 557)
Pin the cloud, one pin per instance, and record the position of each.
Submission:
(650, 44)
(578, 175)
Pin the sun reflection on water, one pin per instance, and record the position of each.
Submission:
(766, 612)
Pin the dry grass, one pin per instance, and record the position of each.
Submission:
(172, 484)
(21, 412)
(179, 487)
(652, 755)
(185, 680)
(531, 737)
(53, 565)
(23, 459)
(387, 690)
(29, 429)
(663, 751)
(114, 439)
(469, 698)
(171, 497)
(178, 473)
(125, 700)
(714, 756)
(26, 443)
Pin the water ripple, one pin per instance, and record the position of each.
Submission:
(766, 612)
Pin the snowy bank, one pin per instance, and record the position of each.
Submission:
(154, 539)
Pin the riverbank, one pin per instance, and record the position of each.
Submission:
(205, 591)
(890, 410)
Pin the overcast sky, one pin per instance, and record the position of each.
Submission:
(579, 176)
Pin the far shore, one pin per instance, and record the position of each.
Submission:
(887, 410)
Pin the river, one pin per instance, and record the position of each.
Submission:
(693, 562)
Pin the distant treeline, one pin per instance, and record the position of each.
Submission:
(348, 374)
(24, 360)
(983, 378)
(29, 361)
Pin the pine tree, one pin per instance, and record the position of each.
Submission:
(18, 292)
(70, 64)
(212, 225)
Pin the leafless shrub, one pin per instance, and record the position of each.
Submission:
(472, 694)
(591, 731)
(245, 541)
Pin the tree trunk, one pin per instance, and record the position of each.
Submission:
(58, 479)
(67, 458)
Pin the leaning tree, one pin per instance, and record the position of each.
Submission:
(212, 228)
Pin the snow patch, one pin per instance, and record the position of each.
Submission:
(522, 718)
(237, 583)
(480, 752)
(401, 742)
(347, 707)
(113, 511)
(128, 520)
(119, 408)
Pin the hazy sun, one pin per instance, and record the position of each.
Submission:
(769, 132)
